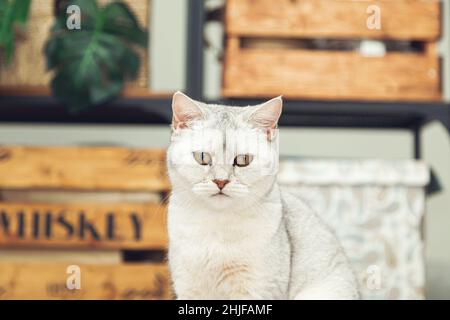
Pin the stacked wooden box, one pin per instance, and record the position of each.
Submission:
(305, 73)
(50, 221)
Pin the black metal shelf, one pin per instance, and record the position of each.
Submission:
(151, 111)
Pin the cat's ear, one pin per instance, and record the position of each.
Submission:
(184, 110)
(266, 116)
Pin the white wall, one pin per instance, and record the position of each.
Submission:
(167, 44)
(436, 149)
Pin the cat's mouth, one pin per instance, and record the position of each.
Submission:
(220, 194)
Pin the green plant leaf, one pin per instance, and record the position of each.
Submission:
(6, 28)
(92, 64)
(21, 9)
(121, 21)
(12, 12)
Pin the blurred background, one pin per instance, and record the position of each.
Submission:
(85, 113)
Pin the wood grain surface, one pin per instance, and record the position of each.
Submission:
(104, 282)
(84, 168)
(313, 74)
(400, 19)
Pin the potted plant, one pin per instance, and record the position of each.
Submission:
(91, 64)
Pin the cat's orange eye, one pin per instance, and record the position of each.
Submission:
(243, 160)
(203, 158)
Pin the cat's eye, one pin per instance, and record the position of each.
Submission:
(243, 160)
(203, 158)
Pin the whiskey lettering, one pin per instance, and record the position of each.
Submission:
(48, 225)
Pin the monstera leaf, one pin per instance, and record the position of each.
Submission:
(12, 13)
(92, 63)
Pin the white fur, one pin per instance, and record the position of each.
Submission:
(257, 242)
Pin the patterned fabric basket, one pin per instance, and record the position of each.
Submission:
(376, 209)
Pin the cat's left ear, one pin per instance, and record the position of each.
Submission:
(266, 116)
(185, 110)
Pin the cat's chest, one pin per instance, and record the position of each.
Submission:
(222, 271)
(211, 248)
(214, 256)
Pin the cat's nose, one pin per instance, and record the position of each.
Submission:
(221, 183)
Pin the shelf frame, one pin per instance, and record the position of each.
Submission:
(155, 109)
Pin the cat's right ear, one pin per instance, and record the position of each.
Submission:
(184, 110)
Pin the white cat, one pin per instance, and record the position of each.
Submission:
(233, 233)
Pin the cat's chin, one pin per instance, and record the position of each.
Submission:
(219, 201)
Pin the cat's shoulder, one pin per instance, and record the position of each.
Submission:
(301, 219)
(293, 201)
(295, 206)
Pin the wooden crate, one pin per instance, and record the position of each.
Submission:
(331, 74)
(99, 282)
(85, 168)
(122, 218)
(89, 225)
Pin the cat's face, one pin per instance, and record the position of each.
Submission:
(221, 155)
